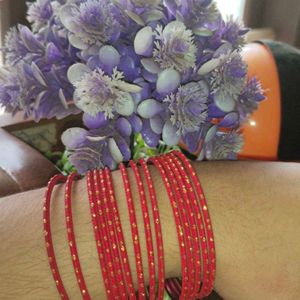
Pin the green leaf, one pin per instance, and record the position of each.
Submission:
(166, 296)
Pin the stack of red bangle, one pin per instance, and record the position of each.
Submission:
(193, 225)
(205, 237)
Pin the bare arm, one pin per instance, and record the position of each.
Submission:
(255, 211)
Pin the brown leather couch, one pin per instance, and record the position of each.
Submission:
(22, 168)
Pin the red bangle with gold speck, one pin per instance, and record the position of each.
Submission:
(188, 204)
(120, 236)
(111, 236)
(98, 236)
(147, 228)
(71, 237)
(48, 237)
(208, 285)
(134, 232)
(181, 241)
(185, 224)
(158, 230)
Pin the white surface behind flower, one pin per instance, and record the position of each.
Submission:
(2, 110)
(232, 7)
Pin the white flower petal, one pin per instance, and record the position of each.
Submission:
(225, 49)
(65, 14)
(109, 56)
(125, 106)
(76, 71)
(73, 136)
(115, 151)
(149, 108)
(174, 25)
(153, 15)
(96, 138)
(168, 80)
(129, 88)
(63, 99)
(209, 66)
(77, 42)
(179, 16)
(150, 65)
(4, 74)
(37, 73)
(211, 134)
(225, 104)
(136, 18)
(202, 32)
(169, 134)
(38, 99)
(156, 124)
(201, 155)
(143, 42)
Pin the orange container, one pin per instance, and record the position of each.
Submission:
(262, 130)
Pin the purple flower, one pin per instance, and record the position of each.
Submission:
(228, 80)
(9, 91)
(146, 4)
(174, 47)
(251, 96)
(97, 148)
(41, 94)
(39, 14)
(14, 47)
(141, 12)
(224, 146)
(202, 16)
(96, 92)
(167, 69)
(90, 22)
(234, 33)
(188, 107)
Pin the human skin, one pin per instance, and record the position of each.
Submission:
(254, 207)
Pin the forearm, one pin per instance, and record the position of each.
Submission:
(254, 208)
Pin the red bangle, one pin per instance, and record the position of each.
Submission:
(158, 231)
(200, 226)
(112, 240)
(48, 237)
(147, 228)
(104, 231)
(135, 235)
(185, 225)
(208, 227)
(188, 204)
(98, 237)
(181, 241)
(120, 236)
(71, 237)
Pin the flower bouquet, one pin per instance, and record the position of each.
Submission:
(153, 73)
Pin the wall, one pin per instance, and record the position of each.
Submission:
(283, 16)
(4, 21)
